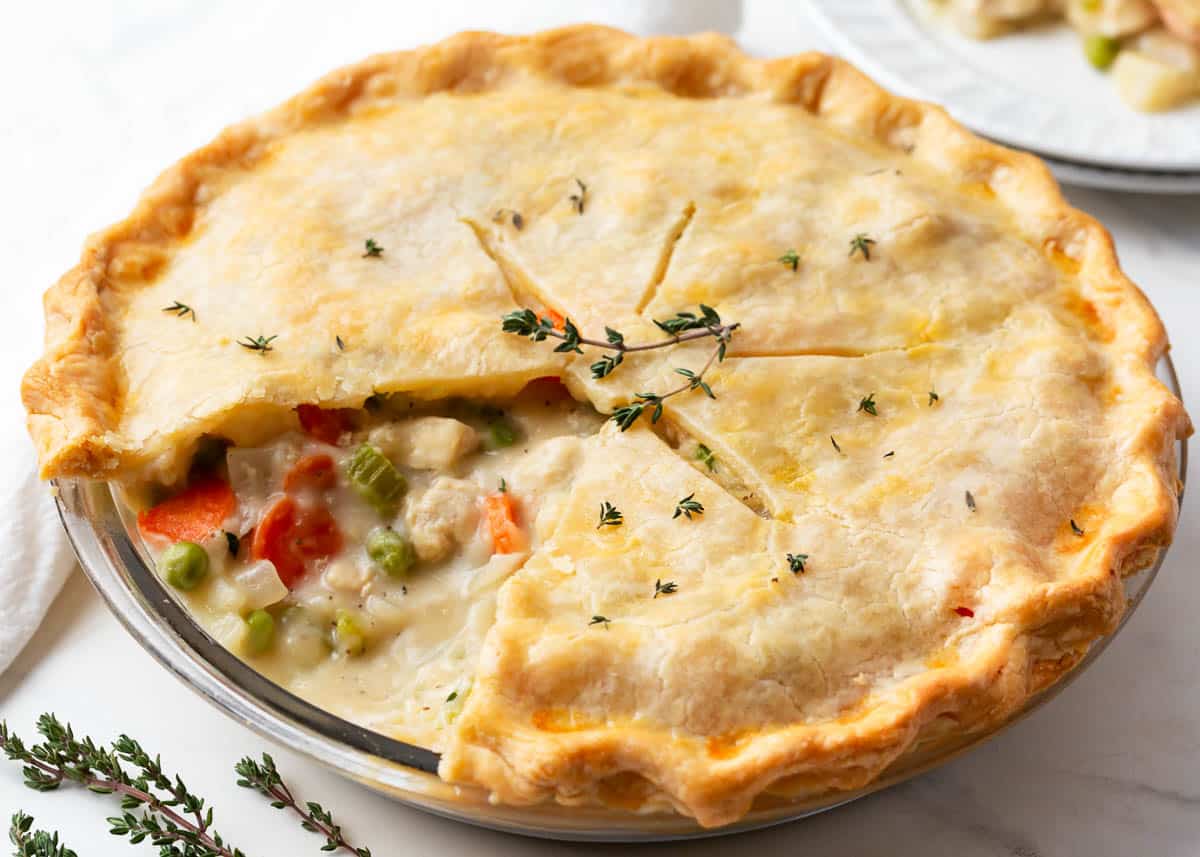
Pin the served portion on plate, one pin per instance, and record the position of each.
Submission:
(1152, 47)
(633, 422)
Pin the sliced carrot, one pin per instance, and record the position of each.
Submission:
(193, 514)
(289, 535)
(500, 513)
(314, 472)
(270, 541)
(326, 426)
(554, 317)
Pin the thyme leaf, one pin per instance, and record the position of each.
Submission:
(970, 498)
(1076, 529)
(867, 403)
(578, 199)
(610, 516)
(933, 397)
(180, 310)
(705, 455)
(688, 507)
(600, 620)
(860, 243)
(667, 588)
(373, 249)
(261, 344)
(796, 562)
(790, 259)
(835, 443)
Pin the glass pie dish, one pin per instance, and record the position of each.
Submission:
(111, 551)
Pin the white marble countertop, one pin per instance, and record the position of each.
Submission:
(99, 98)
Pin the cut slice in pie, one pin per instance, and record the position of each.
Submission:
(631, 421)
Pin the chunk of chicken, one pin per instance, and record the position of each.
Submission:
(425, 443)
(444, 515)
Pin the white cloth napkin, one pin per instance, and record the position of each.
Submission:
(98, 176)
(35, 558)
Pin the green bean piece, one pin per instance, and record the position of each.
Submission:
(184, 565)
(1101, 50)
(391, 551)
(348, 635)
(375, 479)
(260, 632)
(501, 433)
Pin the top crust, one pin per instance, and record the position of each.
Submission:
(106, 402)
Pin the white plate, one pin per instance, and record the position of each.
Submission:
(1029, 89)
(1086, 175)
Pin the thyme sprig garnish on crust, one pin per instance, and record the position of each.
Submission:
(261, 344)
(610, 516)
(688, 507)
(668, 588)
(372, 249)
(790, 259)
(860, 243)
(180, 310)
(681, 327)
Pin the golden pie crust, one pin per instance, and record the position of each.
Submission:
(963, 550)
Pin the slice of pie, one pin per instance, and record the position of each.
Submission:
(631, 421)
(1151, 46)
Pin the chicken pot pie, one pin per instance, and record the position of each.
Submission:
(631, 421)
(1152, 47)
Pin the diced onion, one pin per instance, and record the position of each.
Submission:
(260, 584)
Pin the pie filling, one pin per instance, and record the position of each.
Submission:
(356, 562)
(1151, 47)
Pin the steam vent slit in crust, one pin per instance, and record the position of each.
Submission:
(877, 481)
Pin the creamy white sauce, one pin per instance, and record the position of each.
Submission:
(423, 633)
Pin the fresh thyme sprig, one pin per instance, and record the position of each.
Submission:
(706, 457)
(688, 507)
(180, 310)
(626, 415)
(860, 243)
(372, 248)
(579, 199)
(173, 817)
(261, 344)
(682, 327)
(668, 588)
(610, 516)
(265, 779)
(867, 403)
(790, 259)
(600, 620)
(34, 843)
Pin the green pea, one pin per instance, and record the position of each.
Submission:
(391, 551)
(348, 635)
(501, 433)
(375, 478)
(1101, 50)
(260, 632)
(184, 565)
